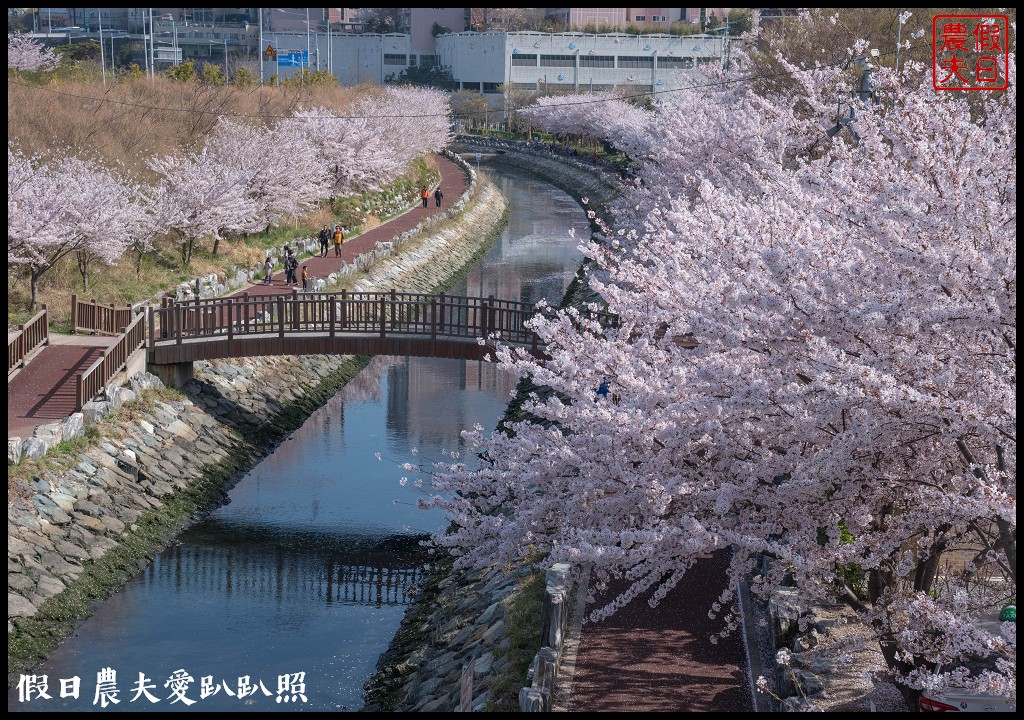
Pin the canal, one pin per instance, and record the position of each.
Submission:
(296, 586)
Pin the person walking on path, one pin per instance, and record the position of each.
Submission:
(339, 238)
(268, 271)
(325, 239)
(437, 196)
(305, 278)
(290, 267)
(424, 194)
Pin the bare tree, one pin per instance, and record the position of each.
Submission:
(384, 20)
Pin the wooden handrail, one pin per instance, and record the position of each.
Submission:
(377, 313)
(28, 338)
(98, 319)
(89, 383)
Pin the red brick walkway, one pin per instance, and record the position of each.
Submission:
(453, 185)
(44, 390)
(662, 659)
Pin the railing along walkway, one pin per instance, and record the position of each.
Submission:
(304, 320)
(27, 339)
(114, 359)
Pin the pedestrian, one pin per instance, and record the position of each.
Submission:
(325, 240)
(290, 269)
(305, 279)
(268, 271)
(424, 195)
(339, 238)
(437, 196)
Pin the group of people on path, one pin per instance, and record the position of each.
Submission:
(291, 263)
(291, 268)
(425, 195)
(325, 240)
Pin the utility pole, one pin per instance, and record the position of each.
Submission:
(725, 49)
(103, 64)
(261, 46)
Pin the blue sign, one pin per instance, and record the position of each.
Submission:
(299, 59)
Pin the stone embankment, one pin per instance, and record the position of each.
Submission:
(87, 522)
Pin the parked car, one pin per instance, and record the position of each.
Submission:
(964, 700)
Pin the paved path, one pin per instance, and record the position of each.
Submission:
(662, 659)
(453, 184)
(44, 390)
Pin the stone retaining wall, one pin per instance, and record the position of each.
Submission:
(81, 529)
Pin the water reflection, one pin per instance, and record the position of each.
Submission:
(309, 567)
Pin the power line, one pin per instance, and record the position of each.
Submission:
(646, 93)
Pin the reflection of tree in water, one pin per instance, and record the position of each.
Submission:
(366, 386)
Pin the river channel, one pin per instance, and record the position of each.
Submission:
(309, 567)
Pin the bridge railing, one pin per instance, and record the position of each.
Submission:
(98, 319)
(28, 338)
(381, 313)
(89, 383)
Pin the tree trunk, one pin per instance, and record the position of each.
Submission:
(34, 275)
(216, 246)
(83, 268)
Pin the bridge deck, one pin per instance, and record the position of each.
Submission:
(389, 323)
(320, 343)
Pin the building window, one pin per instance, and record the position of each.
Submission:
(491, 87)
(395, 59)
(675, 63)
(643, 61)
(600, 61)
(428, 60)
(640, 18)
(557, 60)
(524, 60)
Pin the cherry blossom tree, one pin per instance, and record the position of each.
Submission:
(374, 141)
(58, 208)
(814, 363)
(282, 174)
(24, 53)
(598, 115)
(198, 196)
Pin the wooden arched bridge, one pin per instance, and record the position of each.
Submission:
(343, 323)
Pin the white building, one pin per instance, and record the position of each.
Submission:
(485, 61)
(575, 61)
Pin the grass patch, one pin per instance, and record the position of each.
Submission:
(523, 634)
